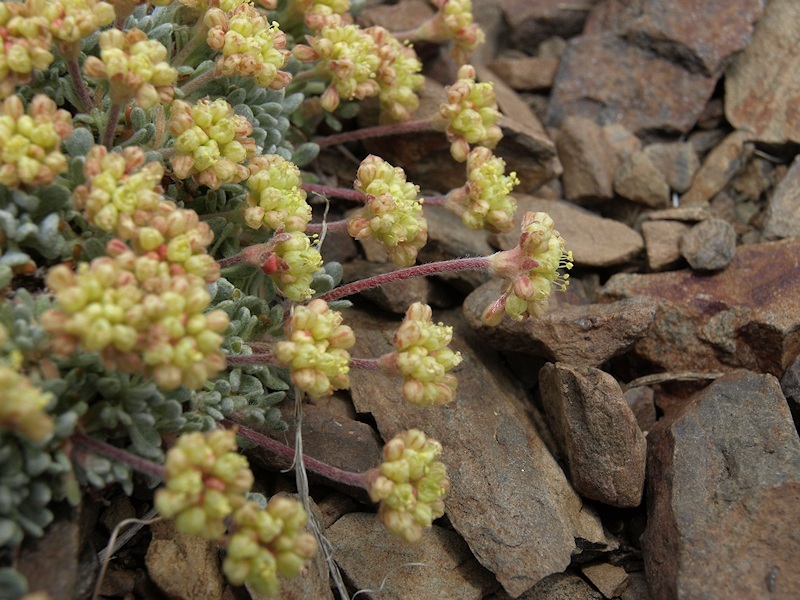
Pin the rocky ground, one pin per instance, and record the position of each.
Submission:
(638, 441)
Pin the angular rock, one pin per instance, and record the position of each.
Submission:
(688, 214)
(724, 494)
(596, 431)
(639, 180)
(576, 334)
(709, 245)
(560, 586)
(448, 568)
(783, 206)
(702, 35)
(719, 168)
(621, 140)
(533, 21)
(607, 79)
(588, 163)
(640, 401)
(637, 587)
(762, 86)
(184, 567)
(677, 162)
(498, 465)
(661, 239)
(790, 384)
(527, 73)
(726, 320)
(609, 579)
(593, 240)
(403, 16)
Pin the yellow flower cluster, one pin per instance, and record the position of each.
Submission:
(412, 484)
(393, 214)
(296, 261)
(470, 114)
(456, 16)
(316, 349)
(321, 13)
(136, 68)
(211, 142)
(70, 21)
(277, 198)
(398, 76)
(250, 46)
(30, 142)
(423, 358)
(531, 270)
(484, 202)
(25, 44)
(268, 543)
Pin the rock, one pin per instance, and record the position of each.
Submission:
(762, 88)
(559, 586)
(403, 16)
(677, 162)
(184, 567)
(593, 240)
(790, 384)
(576, 334)
(726, 320)
(709, 245)
(597, 433)
(533, 21)
(703, 35)
(689, 214)
(783, 206)
(118, 582)
(719, 168)
(639, 180)
(611, 581)
(588, 163)
(661, 239)
(723, 493)
(607, 79)
(637, 587)
(498, 465)
(621, 140)
(640, 401)
(447, 569)
(528, 73)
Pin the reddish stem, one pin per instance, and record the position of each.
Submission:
(317, 466)
(262, 358)
(335, 192)
(368, 364)
(111, 126)
(478, 263)
(117, 454)
(374, 132)
(330, 227)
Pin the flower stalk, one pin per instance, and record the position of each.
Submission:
(137, 463)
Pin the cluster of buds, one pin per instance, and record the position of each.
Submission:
(25, 43)
(347, 55)
(250, 46)
(316, 349)
(71, 21)
(322, 13)
(292, 264)
(484, 202)
(23, 407)
(531, 270)
(411, 485)
(211, 142)
(30, 142)
(454, 22)
(277, 198)
(206, 479)
(135, 67)
(470, 114)
(268, 543)
(393, 214)
(398, 76)
(423, 358)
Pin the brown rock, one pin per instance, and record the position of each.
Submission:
(790, 384)
(709, 245)
(609, 579)
(528, 73)
(762, 89)
(580, 335)
(719, 168)
(184, 567)
(559, 586)
(677, 162)
(605, 78)
(588, 163)
(533, 21)
(661, 240)
(498, 465)
(448, 569)
(723, 495)
(729, 319)
(641, 402)
(621, 140)
(702, 35)
(596, 431)
(403, 16)
(639, 180)
(783, 206)
(689, 214)
(637, 587)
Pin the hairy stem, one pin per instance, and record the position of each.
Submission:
(330, 227)
(113, 116)
(317, 466)
(199, 81)
(262, 358)
(375, 132)
(479, 263)
(368, 364)
(117, 454)
(335, 192)
(80, 85)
